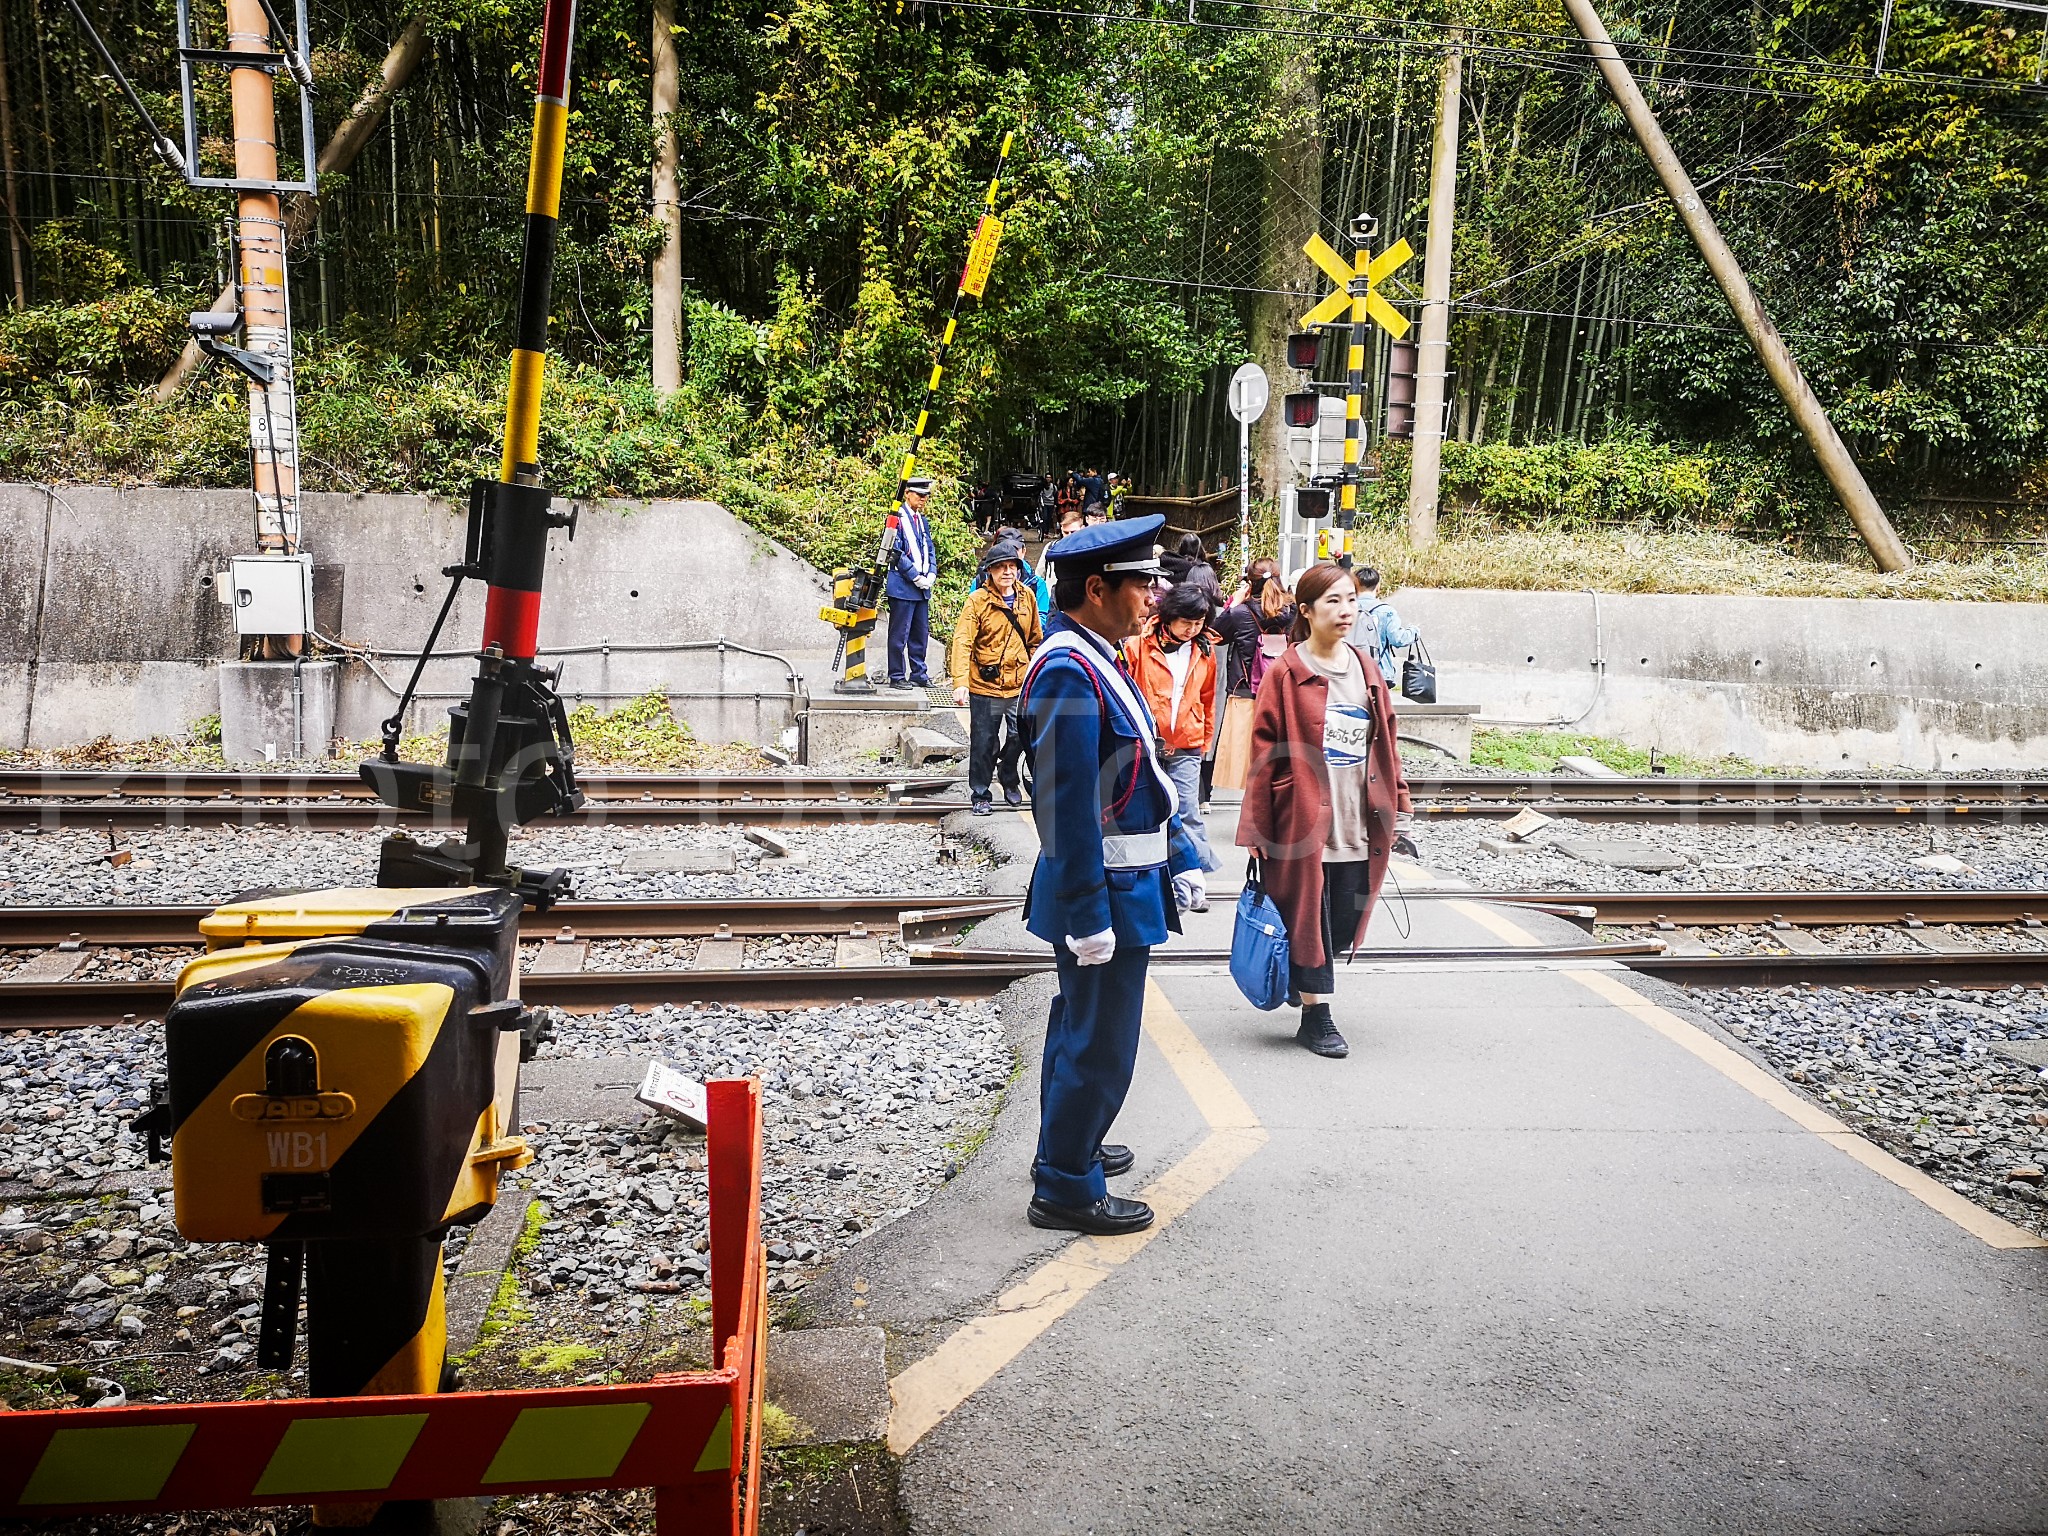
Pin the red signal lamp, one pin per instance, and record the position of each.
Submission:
(1303, 348)
(1302, 409)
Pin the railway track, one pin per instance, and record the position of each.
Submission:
(49, 997)
(915, 917)
(335, 802)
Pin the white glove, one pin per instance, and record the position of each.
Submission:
(1095, 949)
(924, 583)
(1190, 890)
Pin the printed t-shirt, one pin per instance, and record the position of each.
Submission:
(1347, 749)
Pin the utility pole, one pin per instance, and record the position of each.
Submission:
(1850, 488)
(266, 302)
(667, 276)
(1432, 362)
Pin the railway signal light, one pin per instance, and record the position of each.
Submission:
(1401, 370)
(1302, 409)
(1303, 349)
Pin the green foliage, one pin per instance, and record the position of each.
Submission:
(1538, 752)
(1627, 478)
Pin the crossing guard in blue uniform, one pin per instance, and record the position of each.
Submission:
(1114, 869)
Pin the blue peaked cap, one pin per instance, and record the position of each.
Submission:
(1129, 544)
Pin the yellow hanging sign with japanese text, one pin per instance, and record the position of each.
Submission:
(981, 255)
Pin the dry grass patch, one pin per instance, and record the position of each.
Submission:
(1656, 560)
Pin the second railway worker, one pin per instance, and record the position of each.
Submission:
(1114, 870)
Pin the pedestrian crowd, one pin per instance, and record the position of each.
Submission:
(1117, 686)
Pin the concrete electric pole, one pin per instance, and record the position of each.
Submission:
(1432, 359)
(1854, 493)
(266, 301)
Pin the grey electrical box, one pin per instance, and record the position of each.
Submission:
(271, 594)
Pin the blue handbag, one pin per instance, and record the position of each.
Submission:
(1258, 945)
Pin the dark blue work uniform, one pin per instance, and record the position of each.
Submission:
(1109, 846)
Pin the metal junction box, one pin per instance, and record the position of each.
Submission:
(270, 594)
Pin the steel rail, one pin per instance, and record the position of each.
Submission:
(926, 916)
(1804, 909)
(74, 1004)
(1762, 813)
(346, 815)
(922, 917)
(210, 784)
(342, 814)
(1671, 790)
(79, 1004)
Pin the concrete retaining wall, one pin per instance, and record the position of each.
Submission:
(1823, 682)
(109, 624)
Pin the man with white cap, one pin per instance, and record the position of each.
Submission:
(912, 570)
(1114, 869)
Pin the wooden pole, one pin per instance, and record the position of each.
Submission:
(1432, 352)
(1854, 493)
(667, 275)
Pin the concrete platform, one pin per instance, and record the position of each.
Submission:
(1541, 1255)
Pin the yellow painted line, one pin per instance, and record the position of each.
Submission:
(1496, 923)
(925, 1393)
(1746, 1074)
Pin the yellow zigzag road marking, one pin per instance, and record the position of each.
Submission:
(932, 1388)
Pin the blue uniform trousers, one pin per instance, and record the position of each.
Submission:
(1091, 1049)
(909, 631)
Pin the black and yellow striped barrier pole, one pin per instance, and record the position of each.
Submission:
(510, 757)
(1357, 298)
(856, 591)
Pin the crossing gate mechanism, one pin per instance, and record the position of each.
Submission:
(694, 1437)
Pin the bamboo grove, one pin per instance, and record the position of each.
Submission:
(1171, 161)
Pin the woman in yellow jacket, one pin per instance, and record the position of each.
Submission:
(992, 644)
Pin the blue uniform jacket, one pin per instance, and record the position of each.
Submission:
(1082, 755)
(914, 548)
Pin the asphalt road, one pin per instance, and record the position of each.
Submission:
(1522, 1263)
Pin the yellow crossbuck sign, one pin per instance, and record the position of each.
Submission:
(1374, 269)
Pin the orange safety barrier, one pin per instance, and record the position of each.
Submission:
(693, 1437)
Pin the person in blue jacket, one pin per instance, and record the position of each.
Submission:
(1114, 872)
(912, 570)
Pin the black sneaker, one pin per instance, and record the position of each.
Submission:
(1318, 1034)
(1013, 798)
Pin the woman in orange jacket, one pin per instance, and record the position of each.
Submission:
(1174, 664)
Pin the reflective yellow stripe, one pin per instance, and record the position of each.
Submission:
(923, 417)
(909, 463)
(717, 1453)
(952, 325)
(547, 1445)
(1351, 405)
(937, 369)
(107, 1466)
(1356, 360)
(1350, 450)
(522, 412)
(544, 170)
(341, 1455)
(1348, 498)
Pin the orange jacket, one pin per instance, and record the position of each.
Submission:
(1190, 731)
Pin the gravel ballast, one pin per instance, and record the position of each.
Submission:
(868, 1110)
(67, 867)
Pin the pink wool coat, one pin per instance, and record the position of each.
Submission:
(1286, 808)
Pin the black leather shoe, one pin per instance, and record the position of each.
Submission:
(1111, 1216)
(1116, 1160)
